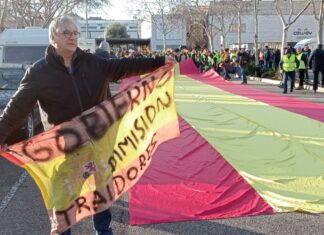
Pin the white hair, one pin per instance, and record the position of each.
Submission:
(57, 22)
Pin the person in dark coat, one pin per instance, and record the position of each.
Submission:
(277, 58)
(307, 51)
(316, 63)
(244, 60)
(103, 50)
(66, 82)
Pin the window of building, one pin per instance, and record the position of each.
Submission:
(234, 28)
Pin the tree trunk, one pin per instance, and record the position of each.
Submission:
(256, 33)
(284, 39)
(164, 41)
(210, 42)
(224, 40)
(320, 24)
(239, 30)
(3, 15)
(320, 33)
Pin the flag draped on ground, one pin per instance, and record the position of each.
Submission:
(82, 166)
(244, 152)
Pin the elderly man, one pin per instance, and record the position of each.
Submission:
(66, 82)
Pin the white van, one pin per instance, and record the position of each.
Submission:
(311, 42)
(25, 46)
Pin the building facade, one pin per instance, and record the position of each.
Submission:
(270, 29)
(96, 28)
(174, 39)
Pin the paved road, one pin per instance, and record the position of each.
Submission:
(22, 210)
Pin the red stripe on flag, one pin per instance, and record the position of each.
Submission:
(196, 183)
(188, 67)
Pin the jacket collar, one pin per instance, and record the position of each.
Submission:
(55, 59)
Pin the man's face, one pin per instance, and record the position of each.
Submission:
(66, 38)
(299, 50)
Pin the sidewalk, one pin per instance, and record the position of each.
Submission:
(277, 82)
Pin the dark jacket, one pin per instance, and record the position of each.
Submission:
(316, 60)
(104, 54)
(244, 59)
(65, 93)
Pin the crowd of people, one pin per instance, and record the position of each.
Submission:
(234, 61)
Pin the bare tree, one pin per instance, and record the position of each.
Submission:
(224, 18)
(161, 13)
(41, 12)
(318, 11)
(213, 16)
(3, 14)
(241, 7)
(200, 13)
(288, 21)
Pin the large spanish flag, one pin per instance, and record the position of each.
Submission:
(242, 151)
(82, 166)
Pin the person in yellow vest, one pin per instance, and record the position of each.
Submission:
(289, 64)
(303, 64)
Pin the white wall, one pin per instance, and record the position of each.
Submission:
(176, 38)
(270, 30)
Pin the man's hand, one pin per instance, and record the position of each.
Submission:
(170, 60)
(3, 147)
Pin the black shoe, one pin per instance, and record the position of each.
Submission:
(315, 91)
(291, 90)
(284, 92)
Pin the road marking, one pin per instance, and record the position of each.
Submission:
(6, 200)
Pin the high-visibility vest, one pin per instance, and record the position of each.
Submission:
(289, 64)
(233, 55)
(301, 62)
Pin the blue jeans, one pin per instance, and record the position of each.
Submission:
(238, 71)
(101, 223)
(290, 75)
(243, 74)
